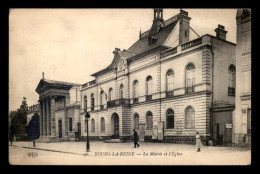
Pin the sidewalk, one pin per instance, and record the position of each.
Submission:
(147, 153)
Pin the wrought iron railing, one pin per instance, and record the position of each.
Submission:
(231, 91)
(111, 104)
(190, 89)
(135, 100)
(148, 97)
(169, 94)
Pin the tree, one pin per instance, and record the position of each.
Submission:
(33, 127)
(18, 121)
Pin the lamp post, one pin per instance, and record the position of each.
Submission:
(87, 116)
(33, 135)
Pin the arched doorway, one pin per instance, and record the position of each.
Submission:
(115, 125)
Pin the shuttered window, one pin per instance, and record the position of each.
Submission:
(102, 125)
(85, 102)
(110, 93)
(232, 73)
(70, 124)
(190, 77)
(136, 121)
(121, 94)
(149, 120)
(92, 101)
(169, 119)
(92, 125)
(189, 118)
(149, 85)
(102, 97)
(169, 80)
(135, 89)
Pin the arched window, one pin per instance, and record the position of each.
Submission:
(169, 80)
(135, 89)
(149, 120)
(102, 97)
(136, 121)
(189, 118)
(102, 122)
(232, 79)
(85, 102)
(92, 101)
(92, 125)
(110, 94)
(149, 85)
(169, 119)
(121, 94)
(190, 78)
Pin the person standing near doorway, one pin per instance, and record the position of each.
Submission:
(198, 142)
(135, 138)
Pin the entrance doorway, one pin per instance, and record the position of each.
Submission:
(222, 128)
(115, 126)
(60, 128)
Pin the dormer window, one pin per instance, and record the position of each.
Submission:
(151, 40)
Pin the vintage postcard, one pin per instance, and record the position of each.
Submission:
(155, 86)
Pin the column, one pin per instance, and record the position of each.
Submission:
(65, 117)
(43, 119)
(47, 117)
(49, 111)
(52, 112)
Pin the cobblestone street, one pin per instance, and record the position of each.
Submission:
(74, 153)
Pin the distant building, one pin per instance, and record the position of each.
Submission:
(165, 79)
(59, 109)
(242, 115)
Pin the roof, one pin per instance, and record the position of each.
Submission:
(122, 54)
(55, 82)
(142, 44)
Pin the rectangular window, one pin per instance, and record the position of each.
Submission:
(70, 124)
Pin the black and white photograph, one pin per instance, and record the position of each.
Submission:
(129, 86)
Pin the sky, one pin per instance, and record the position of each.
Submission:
(71, 44)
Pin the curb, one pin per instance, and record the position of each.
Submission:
(49, 150)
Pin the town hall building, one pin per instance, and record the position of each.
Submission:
(166, 86)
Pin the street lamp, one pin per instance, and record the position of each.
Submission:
(87, 116)
(33, 135)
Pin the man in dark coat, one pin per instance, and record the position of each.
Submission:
(135, 138)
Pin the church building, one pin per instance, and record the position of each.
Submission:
(59, 109)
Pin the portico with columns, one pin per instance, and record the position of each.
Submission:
(56, 99)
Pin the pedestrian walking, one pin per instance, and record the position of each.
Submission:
(198, 142)
(135, 138)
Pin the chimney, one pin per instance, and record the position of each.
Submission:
(184, 29)
(221, 32)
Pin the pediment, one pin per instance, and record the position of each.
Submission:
(42, 86)
(49, 84)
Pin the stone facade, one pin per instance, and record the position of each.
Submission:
(59, 109)
(210, 58)
(242, 114)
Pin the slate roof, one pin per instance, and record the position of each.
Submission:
(142, 44)
(55, 82)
